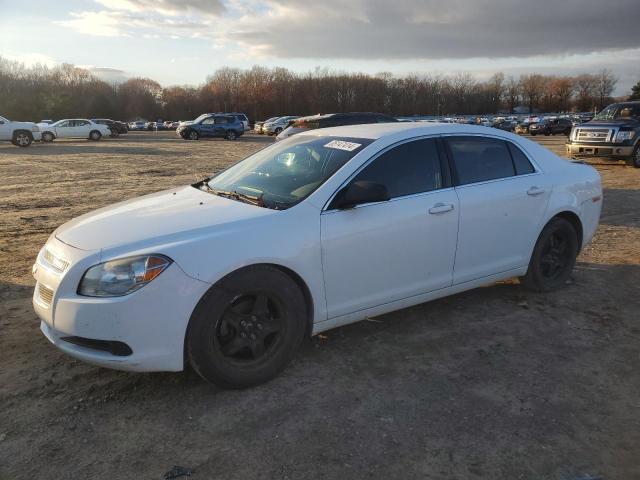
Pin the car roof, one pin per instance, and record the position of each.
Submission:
(322, 116)
(375, 131)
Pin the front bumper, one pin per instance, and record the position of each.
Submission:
(151, 321)
(599, 150)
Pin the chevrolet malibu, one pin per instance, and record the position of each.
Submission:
(323, 229)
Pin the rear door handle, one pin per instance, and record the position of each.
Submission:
(533, 191)
(440, 208)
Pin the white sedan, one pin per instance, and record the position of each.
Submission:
(73, 128)
(320, 230)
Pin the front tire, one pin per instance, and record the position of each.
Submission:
(22, 139)
(47, 137)
(554, 257)
(246, 329)
(193, 135)
(231, 135)
(95, 135)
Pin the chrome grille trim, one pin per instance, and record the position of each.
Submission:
(45, 294)
(55, 262)
(602, 135)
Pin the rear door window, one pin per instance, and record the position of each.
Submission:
(480, 159)
(520, 160)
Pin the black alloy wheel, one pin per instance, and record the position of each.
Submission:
(554, 256)
(246, 328)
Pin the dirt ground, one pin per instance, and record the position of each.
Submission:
(496, 383)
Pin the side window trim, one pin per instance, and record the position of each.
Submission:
(446, 178)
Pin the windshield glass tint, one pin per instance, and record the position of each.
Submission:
(619, 112)
(204, 115)
(286, 172)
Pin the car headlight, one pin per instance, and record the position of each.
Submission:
(123, 276)
(624, 135)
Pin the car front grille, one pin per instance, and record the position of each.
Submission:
(594, 135)
(45, 294)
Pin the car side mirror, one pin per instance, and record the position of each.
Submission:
(360, 192)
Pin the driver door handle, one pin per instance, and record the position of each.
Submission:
(440, 208)
(535, 191)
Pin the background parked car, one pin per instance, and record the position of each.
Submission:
(614, 133)
(276, 126)
(212, 125)
(257, 127)
(138, 125)
(242, 117)
(116, 127)
(21, 134)
(333, 120)
(522, 128)
(506, 125)
(74, 128)
(551, 126)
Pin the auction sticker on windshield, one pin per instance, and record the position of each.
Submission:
(342, 145)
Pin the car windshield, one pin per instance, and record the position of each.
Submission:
(619, 111)
(201, 117)
(286, 172)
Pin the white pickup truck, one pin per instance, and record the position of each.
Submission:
(21, 134)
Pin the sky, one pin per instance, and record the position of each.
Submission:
(183, 41)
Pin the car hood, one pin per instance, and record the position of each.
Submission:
(154, 216)
(610, 123)
(188, 122)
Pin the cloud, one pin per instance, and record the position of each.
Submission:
(101, 24)
(30, 58)
(432, 29)
(107, 74)
(377, 29)
(148, 18)
(168, 7)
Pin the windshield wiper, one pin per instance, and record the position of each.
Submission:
(234, 195)
(257, 200)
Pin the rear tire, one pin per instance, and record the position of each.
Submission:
(246, 329)
(47, 137)
(554, 257)
(231, 135)
(635, 157)
(22, 138)
(95, 135)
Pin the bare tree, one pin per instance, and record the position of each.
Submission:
(532, 87)
(586, 86)
(605, 84)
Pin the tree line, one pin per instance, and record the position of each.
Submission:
(64, 91)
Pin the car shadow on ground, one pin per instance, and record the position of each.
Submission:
(465, 383)
(621, 207)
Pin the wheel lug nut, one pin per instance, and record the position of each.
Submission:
(253, 337)
(243, 335)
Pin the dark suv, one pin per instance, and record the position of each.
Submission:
(211, 125)
(333, 120)
(551, 126)
(614, 133)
